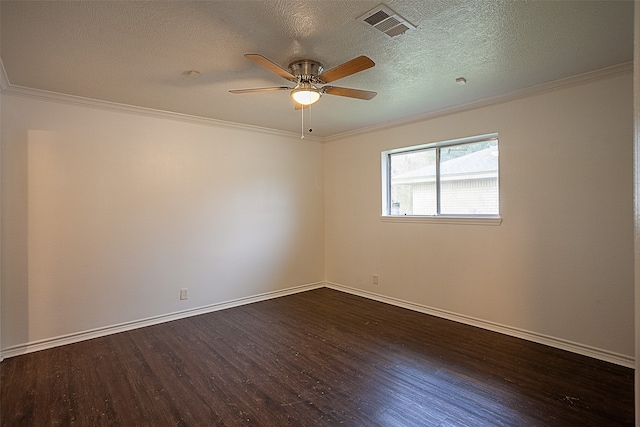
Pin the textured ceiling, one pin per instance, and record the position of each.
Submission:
(137, 53)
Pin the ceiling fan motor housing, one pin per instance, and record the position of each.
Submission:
(306, 70)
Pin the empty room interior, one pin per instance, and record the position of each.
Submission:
(284, 212)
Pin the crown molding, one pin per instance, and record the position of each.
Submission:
(21, 91)
(591, 76)
(44, 95)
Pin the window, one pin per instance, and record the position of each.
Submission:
(456, 178)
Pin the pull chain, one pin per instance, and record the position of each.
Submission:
(302, 128)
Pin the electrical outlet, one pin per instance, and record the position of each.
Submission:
(375, 279)
(183, 293)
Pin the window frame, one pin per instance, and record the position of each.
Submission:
(466, 219)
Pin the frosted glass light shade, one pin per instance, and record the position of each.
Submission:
(305, 94)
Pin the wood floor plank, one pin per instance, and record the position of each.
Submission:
(317, 358)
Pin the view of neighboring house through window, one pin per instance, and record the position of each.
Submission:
(443, 179)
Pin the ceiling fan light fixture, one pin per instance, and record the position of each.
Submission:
(305, 94)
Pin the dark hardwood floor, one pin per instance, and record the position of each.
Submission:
(315, 358)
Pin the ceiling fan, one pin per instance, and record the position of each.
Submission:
(309, 77)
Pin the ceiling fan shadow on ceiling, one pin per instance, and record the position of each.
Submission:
(310, 79)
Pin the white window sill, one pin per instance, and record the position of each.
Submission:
(462, 220)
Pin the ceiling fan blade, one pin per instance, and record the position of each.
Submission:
(351, 93)
(273, 67)
(350, 67)
(262, 89)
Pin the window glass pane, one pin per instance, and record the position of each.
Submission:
(413, 183)
(469, 179)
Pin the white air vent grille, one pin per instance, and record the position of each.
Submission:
(397, 30)
(377, 17)
(387, 21)
(387, 24)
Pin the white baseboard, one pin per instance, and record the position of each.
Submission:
(607, 356)
(127, 326)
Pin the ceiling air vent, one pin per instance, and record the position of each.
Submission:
(387, 21)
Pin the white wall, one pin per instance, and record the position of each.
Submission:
(106, 214)
(560, 264)
(636, 168)
(1, 88)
